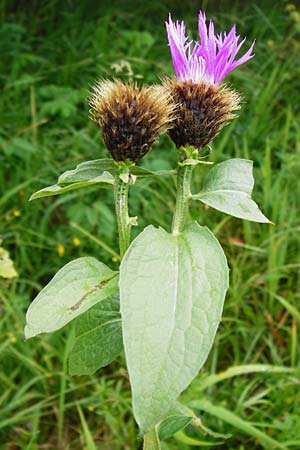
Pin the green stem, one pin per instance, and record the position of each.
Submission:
(182, 197)
(123, 220)
(151, 441)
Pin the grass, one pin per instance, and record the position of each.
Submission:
(50, 53)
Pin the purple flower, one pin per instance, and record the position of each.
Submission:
(209, 60)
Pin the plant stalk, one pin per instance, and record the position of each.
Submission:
(182, 197)
(151, 441)
(123, 220)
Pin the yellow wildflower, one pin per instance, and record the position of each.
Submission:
(76, 241)
(60, 250)
(11, 338)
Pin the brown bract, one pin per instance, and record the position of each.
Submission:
(131, 118)
(202, 111)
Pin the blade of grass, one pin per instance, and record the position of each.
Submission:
(193, 442)
(290, 308)
(242, 370)
(63, 383)
(86, 431)
(237, 422)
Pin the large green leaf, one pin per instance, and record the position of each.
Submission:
(74, 289)
(228, 188)
(172, 290)
(98, 337)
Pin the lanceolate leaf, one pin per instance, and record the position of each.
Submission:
(142, 172)
(104, 181)
(172, 290)
(98, 337)
(228, 188)
(92, 169)
(173, 424)
(86, 171)
(75, 288)
(177, 419)
(98, 172)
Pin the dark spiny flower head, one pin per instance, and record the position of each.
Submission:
(204, 106)
(202, 111)
(131, 118)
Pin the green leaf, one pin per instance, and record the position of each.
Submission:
(87, 171)
(98, 337)
(181, 416)
(105, 180)
(98, 172)
(91, 169)
(177, 419)
(171, 425)
(228, 188)
(237, 422)
(75, 288)
(172, 290)
(194, 162)
(142, 172)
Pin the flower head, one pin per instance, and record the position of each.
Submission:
(202, 111)
(131, 118)
(204, 106)
(208, 60)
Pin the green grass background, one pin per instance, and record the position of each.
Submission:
(51, 52)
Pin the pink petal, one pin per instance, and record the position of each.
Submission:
(178, 43)
(210, 59)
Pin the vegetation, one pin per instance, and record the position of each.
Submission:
(50, 53)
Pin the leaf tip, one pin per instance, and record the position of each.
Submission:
(266, 220)
(28, 332)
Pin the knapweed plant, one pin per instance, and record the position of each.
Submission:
(164, 304)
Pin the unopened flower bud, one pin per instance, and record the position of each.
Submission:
(131, 118)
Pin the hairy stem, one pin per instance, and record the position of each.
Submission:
(123, 220)
(182, 197)
(151, 441)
